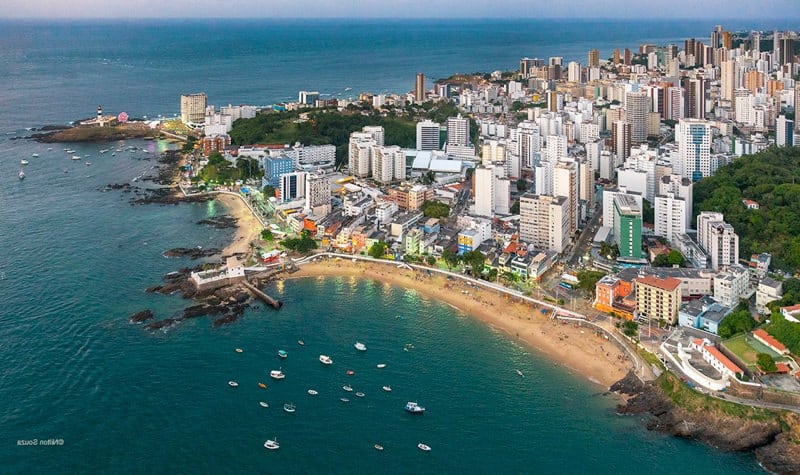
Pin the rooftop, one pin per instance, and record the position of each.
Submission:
(723, 359)
(668, 283)
(769, 339)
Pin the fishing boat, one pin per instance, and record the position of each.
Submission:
(313, 392)
(381, 365)
(520, 373)
(262, 385)
(233, 384)
(301, 342)
(88, 164)
(360, 346)
(423, 447)
(347, 388)
(76, 157)
(360, 394)
(272, 444)
(21, 175)
(378, 447)
(325, 359)
(344, 399)
(349, 372)
(414, 408)
(289, 407)
(34, 155)
(387, 388)
(239, 350)
(276, 374)
(282, 354)
(263, 404)
(23, 162)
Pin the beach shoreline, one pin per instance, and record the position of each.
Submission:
(247, 229)
(579, 349)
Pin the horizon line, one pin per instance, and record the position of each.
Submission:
(447, 18)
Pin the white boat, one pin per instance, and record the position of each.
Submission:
(263, 404)
(414, 408)
(344, 399)
(520, 373)
(104, 150)
(23, 162)
(381, 365)
(289, 407)
(276, 374)
(378, 447)
(360, 346)
(21, 175)
(239, 350)
(69, 150)
(313, 392)
(387, 388)
(272, 444)
(233, 384)
(88, 164)
(423, 447)
(325, 359)
(360, 394)
(76, 157)
(347, 388)
(34, 155)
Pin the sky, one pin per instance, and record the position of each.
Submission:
(708, 9)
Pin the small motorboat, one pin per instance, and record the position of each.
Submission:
(23, 162)
(387, 388)
(360, 346)
(262, 385)
(349, 372)
(347, 388)
(414, 408)
(381, 365)
(282, 354)
(378, 447)
(76, 157)
(360, 394)
(239, 350)
(289, 407)
(263, 404)
(21, 175)
(301, 342)
(272, 444)
(325, 359)
(276, 374)
(88, 164)
(520, 373)
(313, 392)
(233, 384)
(423, 447)
(344, 399)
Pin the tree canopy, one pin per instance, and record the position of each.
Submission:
(737, 322)
(475, 260)
(766, 363)
(673, 258)
(587, 279)
(435, 209)
(771, 178)
(377, 250)
(303, 244)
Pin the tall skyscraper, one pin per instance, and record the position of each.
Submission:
(637, 105)
(621, 136)
(360, 153)
(458, 131)
(544, 221)
(427, 135)
(669, 216)
(565, 183)
(784, 132)
(388, 164)
(193, 108)
(594, 59)
(616, 56)
(318, 195)
(695, 101)
(727, 80)
(574, 71)
(484, 190)
(797, 107)
(786, 54)
(628, 226)
(694, 147)
(419, 88)
(718, 239)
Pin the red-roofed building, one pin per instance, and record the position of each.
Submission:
(791, 313)
(716, 359)
(658, 298)
(770, 341)
(783, 368)
(750, 204)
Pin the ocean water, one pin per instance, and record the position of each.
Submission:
(76, 261)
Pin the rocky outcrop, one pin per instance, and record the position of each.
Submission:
(170, 196)
(191, 252)
(220, 222)
(132, 130)
(774, 449)
(141, 317)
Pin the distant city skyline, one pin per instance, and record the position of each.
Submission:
(621, 9)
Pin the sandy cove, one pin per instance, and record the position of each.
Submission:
(248, 228)
(579, 349)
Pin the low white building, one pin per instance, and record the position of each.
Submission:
(715, 358)
(730, 285)
(769, 290)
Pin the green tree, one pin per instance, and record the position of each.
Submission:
(451, 259)
(268, 190)
(435, 209)
(431, 260)
(630, 328)
(266, 235)
(514, 209)
(475, 260)
(303, 244)
(428, 177)
(675, 258)
(522, 184)
(766, 363)
(377, 250)
(736, 322)
(587, 280)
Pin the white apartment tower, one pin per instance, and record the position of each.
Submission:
(718, 239)
(388, 164)
(637, 105)
(544, 221)
(318, 195)
(193, 108)
(360, 153)
(427, 135)
(484, 190)
(458, 131)
(694, 147)
(565, 183)
(670, 216)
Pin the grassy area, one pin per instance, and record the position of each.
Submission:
(651, 359)
(692, 400)
(740, 347)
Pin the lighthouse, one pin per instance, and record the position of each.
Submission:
(100, 116)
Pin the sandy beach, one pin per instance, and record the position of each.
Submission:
(248, 228)
(578, 349)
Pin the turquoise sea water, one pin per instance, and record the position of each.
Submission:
(75, 262)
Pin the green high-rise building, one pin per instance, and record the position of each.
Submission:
(628, 226)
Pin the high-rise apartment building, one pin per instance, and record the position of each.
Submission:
(621, 138)
(694, 147)
(484, 190)
(695, 97)
(388, 164)
(637, 105)
(318, 195)
(458, 131)
(784, 132)
(682, 188)
(657, 298)
(628, 226)
(565, 183)
(419, 88)
(718, 239)
(193, 108)
(544, 221)
(669, 216)
(727, 80)
(594, 59)
(427, 135)
(360, 153)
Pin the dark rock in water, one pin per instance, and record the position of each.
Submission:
(781, 456)
(140, 317)
(192, 253)
(170, 196)
(51, 128)
(199, 310)
(220, 222)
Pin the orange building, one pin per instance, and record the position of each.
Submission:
(610, 296)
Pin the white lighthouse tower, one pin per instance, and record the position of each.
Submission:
(100, 120)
